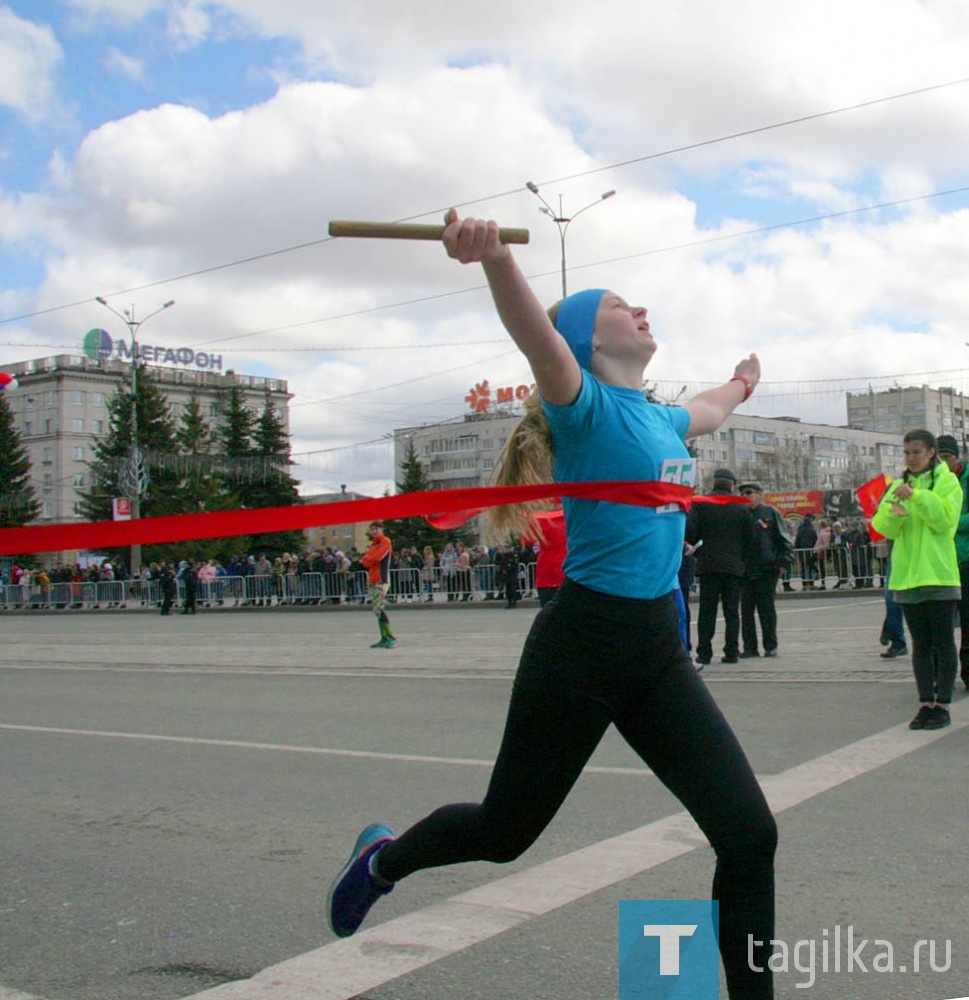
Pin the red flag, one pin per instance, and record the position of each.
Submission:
(869, 496)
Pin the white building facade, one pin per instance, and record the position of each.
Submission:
(60, 409)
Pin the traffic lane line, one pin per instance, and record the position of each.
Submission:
(344, 969)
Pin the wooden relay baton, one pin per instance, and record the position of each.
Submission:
(410, 231)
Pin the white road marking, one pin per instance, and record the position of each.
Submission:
(403, 758)
(345, 969)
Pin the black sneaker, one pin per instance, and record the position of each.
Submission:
(729, 659)
(747, 655)
(894, 651)
(770, 652)
(923, 715)
(938, 718)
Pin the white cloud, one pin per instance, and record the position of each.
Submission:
(125, 65)
(29, 54)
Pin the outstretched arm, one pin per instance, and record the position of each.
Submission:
(556, 371)
(709, 409)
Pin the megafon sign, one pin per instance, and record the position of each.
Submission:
(99, 346)
(479, 397)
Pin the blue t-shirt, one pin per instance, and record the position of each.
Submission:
(613, 433)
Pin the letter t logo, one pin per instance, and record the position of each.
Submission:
(669, 944)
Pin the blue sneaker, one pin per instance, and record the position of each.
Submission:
(354, 890)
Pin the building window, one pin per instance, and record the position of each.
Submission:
(78, 480)
(28, 427)
(48, 426)
(46, 510)
(77, 425)
(97, 426)
(77, 453)
(78, 397)
(97, 399)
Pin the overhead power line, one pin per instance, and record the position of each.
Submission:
(746, 133)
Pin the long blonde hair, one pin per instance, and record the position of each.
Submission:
(525, 460)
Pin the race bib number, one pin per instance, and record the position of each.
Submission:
(682, 472)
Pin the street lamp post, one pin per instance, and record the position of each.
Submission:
(133, 481)
(562, 221)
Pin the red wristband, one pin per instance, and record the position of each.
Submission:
(748, 387)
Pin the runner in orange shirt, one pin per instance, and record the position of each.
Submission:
(376, 560)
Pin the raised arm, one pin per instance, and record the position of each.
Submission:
(709, 409)
(557, 373)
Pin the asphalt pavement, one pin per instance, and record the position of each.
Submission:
(178, 792)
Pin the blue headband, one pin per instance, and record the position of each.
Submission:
(576, 321)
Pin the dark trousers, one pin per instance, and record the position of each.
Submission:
(931, 627)
(894, 627)
(757, 598)
(592, 660)
(509, 585)
(964, 623)
(717, 588)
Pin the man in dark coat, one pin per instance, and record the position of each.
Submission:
(167, 586)
(773, 551)
(726, 533)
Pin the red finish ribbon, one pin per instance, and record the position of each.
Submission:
(443, 508)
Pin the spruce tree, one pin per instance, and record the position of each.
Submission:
(112, 452)
(234, 437)
(416, 532)
(270, 483)
(18, 502)
(201, 486)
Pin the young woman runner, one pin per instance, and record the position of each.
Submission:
(608, 649)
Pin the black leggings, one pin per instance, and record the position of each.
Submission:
(591, 660)
(935, 660)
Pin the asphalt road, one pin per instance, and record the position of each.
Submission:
(177, 793)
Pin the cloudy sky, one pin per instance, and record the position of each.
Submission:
(791, 179)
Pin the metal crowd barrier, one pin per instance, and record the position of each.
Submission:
(839, 567)
(407, 586)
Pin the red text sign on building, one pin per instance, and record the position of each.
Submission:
(479, 398)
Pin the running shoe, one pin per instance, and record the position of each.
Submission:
(924, 714)
(379, 644)
(389, 642)
(939, 718)
(354, 890)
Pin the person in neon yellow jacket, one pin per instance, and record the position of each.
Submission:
(920, 513)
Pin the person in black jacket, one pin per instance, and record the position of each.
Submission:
(190, 581)
(773, 551)
(507, 567)
(726, 531)
(804, 542)
(167, 586)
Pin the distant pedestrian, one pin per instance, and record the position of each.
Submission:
(772, 552)
(949, 453)
(727, 533)
(920, 514)
(376, 560)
